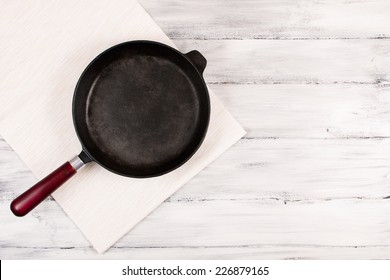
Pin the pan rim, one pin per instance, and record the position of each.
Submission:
(165, 171)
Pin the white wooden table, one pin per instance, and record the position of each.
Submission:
(310, 82)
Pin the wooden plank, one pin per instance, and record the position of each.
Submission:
(295, 61)
(295, 170)
(267, 170)
(281, 19)
(245, 253)
(219, 224)
(309, 111)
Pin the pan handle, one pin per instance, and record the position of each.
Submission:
(198, 60)
(27, 201)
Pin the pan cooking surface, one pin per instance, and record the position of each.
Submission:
(144, 109)
(142, 117)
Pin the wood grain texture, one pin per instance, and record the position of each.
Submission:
(334, 111)
(269, 19)
(309, 81)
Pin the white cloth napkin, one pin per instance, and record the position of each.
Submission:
(45, 46)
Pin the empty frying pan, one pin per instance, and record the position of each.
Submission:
(140, 109)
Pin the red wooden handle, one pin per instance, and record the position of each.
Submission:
(37, 193)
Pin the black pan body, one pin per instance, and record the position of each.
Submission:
(141, 109)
